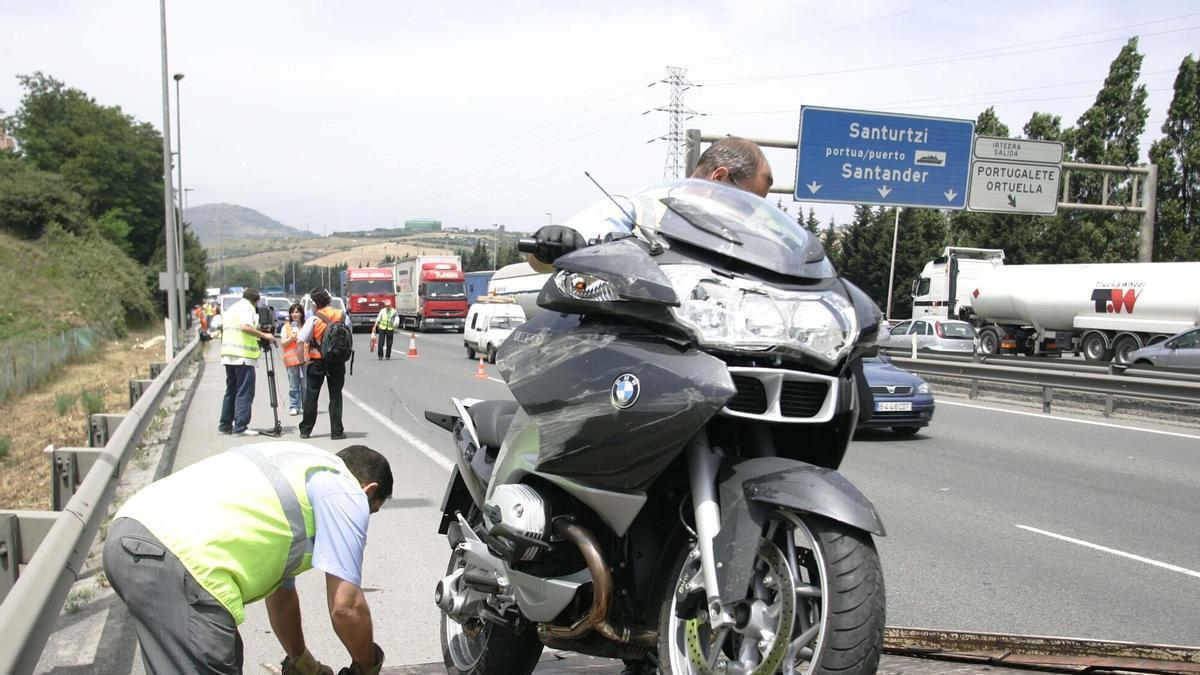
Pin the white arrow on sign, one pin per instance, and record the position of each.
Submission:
(950, 195)
(813, 187)
(884, 191)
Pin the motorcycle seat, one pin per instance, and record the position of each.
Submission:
(491, 420)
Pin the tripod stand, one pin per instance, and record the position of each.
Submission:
(269, 362)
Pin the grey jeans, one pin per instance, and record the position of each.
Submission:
(181, 627)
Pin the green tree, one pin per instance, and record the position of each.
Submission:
(989, 124)
(31, 200)
(1177, 154)
(113, 161)
(811, 223)
(829, 239)
(1043, 127)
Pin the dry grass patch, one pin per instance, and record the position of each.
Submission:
(34, 419)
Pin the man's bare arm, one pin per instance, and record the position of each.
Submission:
(283, 609)
(351, 618)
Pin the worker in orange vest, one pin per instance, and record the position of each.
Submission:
(200, 319)
(292, 358)
(319, 368)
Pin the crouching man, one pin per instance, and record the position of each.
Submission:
(188, 552)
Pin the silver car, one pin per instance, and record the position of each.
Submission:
(1179, 351)
(934, 335)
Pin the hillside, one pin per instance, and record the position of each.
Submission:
(64, 281)
(230, 221)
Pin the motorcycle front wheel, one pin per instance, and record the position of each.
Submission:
(815, 606)
(480, 647)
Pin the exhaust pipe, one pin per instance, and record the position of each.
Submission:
(602, 587)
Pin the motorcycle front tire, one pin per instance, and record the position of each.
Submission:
(853, 635)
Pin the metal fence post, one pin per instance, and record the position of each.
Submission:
(101, 427)
(67, 466)
(1047, 398)
(10, 552)
(136, 389)
(156, 369)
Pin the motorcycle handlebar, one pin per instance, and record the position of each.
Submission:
(527, 245)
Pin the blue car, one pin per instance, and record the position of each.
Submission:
(903, 401)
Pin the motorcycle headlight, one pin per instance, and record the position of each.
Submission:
(739, 314)
(585, 287)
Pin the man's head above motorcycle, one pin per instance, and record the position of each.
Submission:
(739, 163)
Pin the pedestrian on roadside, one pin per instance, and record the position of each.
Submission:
(318, 370)
(292, 359)
(187, 553)
(240, 350)
(385, 323)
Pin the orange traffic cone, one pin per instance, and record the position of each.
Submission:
(480, 373)
(412, 346)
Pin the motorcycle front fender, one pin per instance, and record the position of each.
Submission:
(749, 488)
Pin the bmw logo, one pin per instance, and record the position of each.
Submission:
(625, 390)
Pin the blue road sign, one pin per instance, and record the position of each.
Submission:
(861, 157)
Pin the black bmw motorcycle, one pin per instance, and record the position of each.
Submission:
(664, 487)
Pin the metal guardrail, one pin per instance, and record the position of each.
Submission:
(54, 544)
(1109, 381)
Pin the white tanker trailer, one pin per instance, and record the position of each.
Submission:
(1104, 311)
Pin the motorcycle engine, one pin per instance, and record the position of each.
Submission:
(517, 515)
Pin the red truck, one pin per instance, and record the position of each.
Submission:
(431, 293)
(365, 289)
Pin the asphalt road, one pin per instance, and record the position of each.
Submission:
(997, 520)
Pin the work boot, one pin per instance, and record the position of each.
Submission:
(305, 664)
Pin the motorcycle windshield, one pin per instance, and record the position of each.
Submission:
(731, 222)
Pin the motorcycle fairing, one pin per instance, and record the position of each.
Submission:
(751, 486)
(561, 369)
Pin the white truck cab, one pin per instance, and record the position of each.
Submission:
(490, 321)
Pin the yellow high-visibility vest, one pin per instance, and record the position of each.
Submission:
(239, 521)
(234, 341)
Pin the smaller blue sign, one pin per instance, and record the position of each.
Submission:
(861, 157)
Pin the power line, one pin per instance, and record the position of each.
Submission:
(991, 52)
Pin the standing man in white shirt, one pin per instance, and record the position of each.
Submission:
(239, 354)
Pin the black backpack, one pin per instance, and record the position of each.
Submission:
(337, 342)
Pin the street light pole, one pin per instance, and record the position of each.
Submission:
(495, 245)
(549, 218)
(170, 281)
(179, 241)
(892, 272)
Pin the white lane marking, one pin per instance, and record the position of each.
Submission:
(1109, 425)
(496, 379)
(425, 449)
(1098, 547)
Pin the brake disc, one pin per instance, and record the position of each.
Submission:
(785, 598)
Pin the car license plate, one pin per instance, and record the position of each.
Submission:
(893, 406)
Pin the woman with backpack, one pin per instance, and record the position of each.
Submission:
(326, 344)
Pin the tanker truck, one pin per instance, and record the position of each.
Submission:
(1104, 311)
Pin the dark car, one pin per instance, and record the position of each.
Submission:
(903, 401)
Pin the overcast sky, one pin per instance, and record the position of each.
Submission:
(356, 114)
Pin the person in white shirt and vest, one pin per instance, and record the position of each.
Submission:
(186, 558)
(385, 324)
(239, 354)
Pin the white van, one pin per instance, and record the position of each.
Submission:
(489, 322)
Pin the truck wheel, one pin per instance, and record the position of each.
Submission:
(491, 354)
(421, 325)
(1123, 346)
(470, 352)
(989, 342)
(1094, 348)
